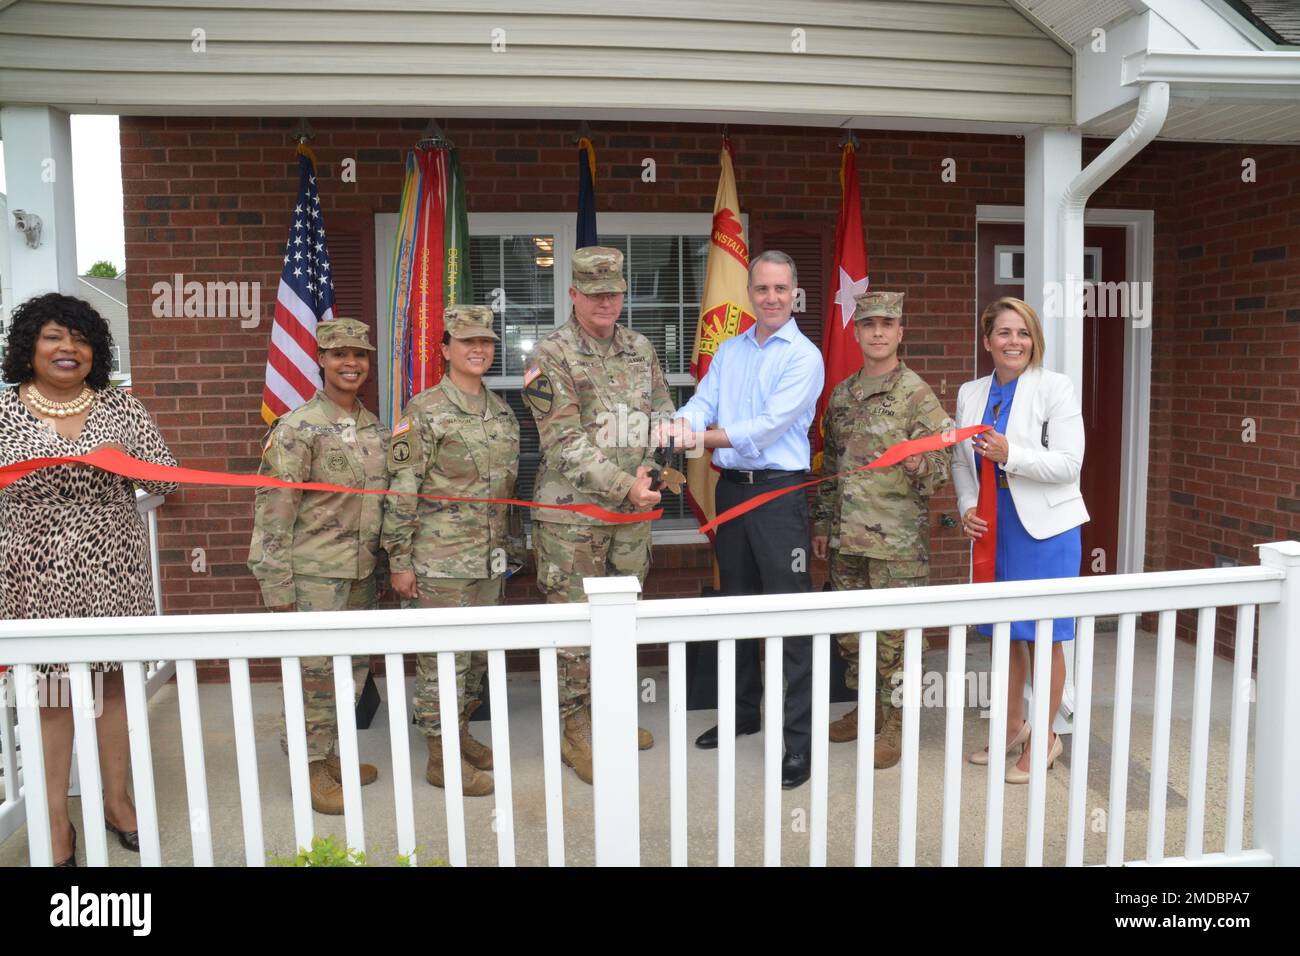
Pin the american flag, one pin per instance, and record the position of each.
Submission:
(305, 297)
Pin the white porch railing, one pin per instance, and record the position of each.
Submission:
(157, 673)
(614, 623)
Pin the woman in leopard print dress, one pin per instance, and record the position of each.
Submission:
(71, 541)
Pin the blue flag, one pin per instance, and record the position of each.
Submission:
(586, 194)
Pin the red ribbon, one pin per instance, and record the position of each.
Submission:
(892, 456)
(984, 555)
(119, 463)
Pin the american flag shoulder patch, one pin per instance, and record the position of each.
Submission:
(402, 427)
(531, 374)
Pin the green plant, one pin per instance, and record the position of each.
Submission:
(103, 269)
(327, 851)
(324, 852)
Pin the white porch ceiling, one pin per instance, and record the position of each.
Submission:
(1217, 120)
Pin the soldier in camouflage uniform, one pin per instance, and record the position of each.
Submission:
(458, 439)
(876, 522)
(317, 550)
(593, 386)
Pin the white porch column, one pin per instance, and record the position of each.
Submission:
(1053, 157)
(38, 176)
(1277, 715)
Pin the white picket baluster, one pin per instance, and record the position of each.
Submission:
(137, 722)
(1076, 818)
(998, 679)
(1160, 736)
(1242, 693)
(820, 767)
(727, 751)
(677, 750)
(955, 693)
(1117, 818)
(864, 820)
(504, 820)
(250, 795)
(39, 850)
(8, 741)
(196, 777)
(773, 685)
(449, 715)
(87, 747)
(551, 769)
(399, 740)
(295, 724)
(911, 747)
(1193, 847)
(1038, 742)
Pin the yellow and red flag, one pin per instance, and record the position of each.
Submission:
(724, 312)
(840, 352)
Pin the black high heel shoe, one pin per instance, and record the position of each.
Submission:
(72, 857)
(130, 839)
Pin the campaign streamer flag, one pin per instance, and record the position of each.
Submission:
(840, 352)
(430, 271)
(586, 194)
(305, 296)
(724, 312)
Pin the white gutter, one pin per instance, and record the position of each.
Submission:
(1210, 70)
(1153, 109)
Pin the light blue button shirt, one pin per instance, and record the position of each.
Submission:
(763, 396)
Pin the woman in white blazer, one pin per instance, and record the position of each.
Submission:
(1034, 454)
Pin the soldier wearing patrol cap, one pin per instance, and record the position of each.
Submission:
(319, 550)
(876, 522)
(456, 439)
(583, 377)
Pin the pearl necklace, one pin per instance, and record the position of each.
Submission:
(60, 409)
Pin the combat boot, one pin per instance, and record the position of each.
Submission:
(575, 744)
(326, 792)
(846, 728)
(473, 782)
(335, 767)
(473, 751)
(889, 742)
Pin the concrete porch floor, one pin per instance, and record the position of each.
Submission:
(529, 804)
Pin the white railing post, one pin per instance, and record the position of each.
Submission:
(614, 697)
(1277, 715)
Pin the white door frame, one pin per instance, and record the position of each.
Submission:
(1139, 225)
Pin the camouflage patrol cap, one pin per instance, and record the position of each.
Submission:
(343, 334)
(887, 304)
(469, 322)
(598, 269)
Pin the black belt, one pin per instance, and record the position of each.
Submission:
(741, 477)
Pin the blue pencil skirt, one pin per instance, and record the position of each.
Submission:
(1022, 557)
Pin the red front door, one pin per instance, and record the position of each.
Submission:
(1102, 399)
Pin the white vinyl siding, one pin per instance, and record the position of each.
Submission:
(968, 60)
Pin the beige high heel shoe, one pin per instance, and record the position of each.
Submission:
(981, 757)
(1016, 775)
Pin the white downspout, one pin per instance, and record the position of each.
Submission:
(1153, 109)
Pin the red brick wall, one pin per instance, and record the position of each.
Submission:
(209, 198)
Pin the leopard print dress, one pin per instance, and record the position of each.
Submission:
(72, 543)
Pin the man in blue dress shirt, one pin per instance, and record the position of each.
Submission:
(753, 408)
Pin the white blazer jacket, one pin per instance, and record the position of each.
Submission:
(1045, 451)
